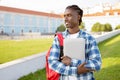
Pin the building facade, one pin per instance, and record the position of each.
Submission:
(19, 21)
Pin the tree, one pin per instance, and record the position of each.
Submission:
(117, 27)
(108, 27)
(61, 28)
(103, 27)
(96, 27)
(82, 26)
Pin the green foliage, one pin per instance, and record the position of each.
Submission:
(117, 27)
(38, 75)
(108, 27)
(97, 27)
(82, 26)
(61, 28)
(103, 28)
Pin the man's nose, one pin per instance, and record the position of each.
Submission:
(65, 18)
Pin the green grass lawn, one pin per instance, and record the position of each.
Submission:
(110, 51)
(14, 49)
(38, 75)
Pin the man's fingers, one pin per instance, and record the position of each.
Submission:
(63, 57)
(82, 65)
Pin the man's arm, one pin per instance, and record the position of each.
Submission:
(80, 68)
(94, 58)
(54, 62)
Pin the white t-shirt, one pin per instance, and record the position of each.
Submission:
(73, 35)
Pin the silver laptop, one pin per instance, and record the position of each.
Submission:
(74, 48)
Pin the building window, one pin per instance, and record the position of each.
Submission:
(37, 30)
(12, 30)
(2, 31)
(30, 31)
(21, 30)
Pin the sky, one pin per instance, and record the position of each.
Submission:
(56, 6)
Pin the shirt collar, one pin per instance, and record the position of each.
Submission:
(66, 33)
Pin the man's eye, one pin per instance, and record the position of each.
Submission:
(68, 15)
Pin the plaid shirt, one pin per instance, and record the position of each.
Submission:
(92, 58)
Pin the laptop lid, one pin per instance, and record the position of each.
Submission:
(74, 48)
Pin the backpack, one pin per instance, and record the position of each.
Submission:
(51, 74)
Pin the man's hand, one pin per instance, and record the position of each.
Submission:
(81, 69)
(66, 60)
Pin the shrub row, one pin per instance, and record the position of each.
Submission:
(97, 27)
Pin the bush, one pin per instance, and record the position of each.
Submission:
(117, 27)
(108, 27)
(97, 27)
(103, 28)
(61, 28)
(82, 26)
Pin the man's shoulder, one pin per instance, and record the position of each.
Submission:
(86, 35)
(56, 35)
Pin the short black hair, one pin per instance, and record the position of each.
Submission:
(78, 10)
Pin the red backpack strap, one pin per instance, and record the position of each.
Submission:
(60, 38)
(50, 74)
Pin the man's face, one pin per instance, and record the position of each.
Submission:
(71, 18)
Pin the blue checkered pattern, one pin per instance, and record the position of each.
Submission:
(92, 58)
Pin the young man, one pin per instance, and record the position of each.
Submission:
(74, 69)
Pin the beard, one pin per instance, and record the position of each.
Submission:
(68, 25)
